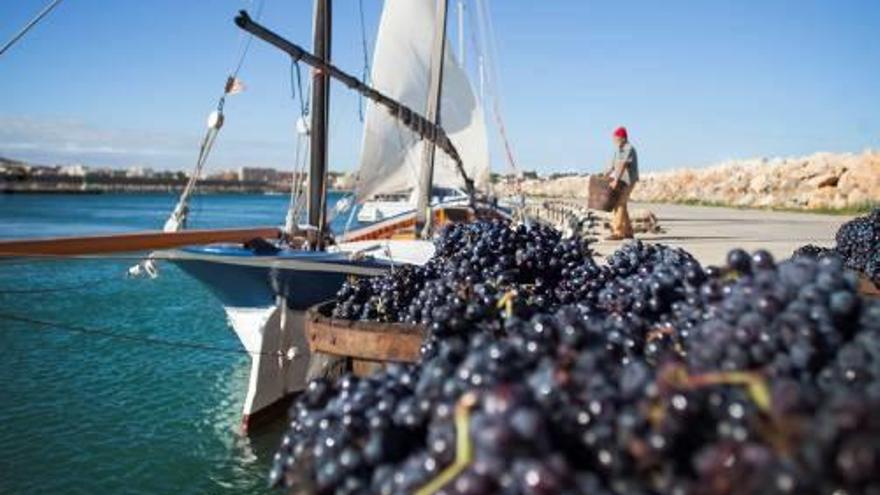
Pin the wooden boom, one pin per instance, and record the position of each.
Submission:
(130, 242)
(413, 120)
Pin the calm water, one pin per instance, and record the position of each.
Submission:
(92, 414)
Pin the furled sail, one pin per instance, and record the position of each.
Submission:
(391, 156)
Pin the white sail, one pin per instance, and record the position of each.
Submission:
(391, 155)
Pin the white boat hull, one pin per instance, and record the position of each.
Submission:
(275, 338)
(265, 298)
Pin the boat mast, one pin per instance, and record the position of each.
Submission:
(408, 117)
(317, 200)
(432, 113)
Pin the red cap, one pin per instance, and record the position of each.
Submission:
(620, 132)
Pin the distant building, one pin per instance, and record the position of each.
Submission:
(225, 175)
(77, 170)
(257, 174)
(139, 172)
(168, 175)
(341, 181)
(14, 171)
(43, 170)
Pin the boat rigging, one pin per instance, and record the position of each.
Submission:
(435, 90)
(412, 119)
(27, 27)
(266, 278)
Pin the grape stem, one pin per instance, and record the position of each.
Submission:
(755, 384)
(506, 302)
(463, 448)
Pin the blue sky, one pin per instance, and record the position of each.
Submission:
(129, 82)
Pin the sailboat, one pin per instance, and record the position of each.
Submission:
(388, 180)
(266, 294)
(385, 206)
(420, 103)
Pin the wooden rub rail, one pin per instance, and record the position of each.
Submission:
(131, 242)
(362, 340)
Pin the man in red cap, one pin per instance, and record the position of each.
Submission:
(624, 173)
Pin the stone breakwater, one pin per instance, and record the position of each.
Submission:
(818, 181)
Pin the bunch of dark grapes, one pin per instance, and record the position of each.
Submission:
(648, 278)
(788, 320)
(635, 292)
(813, 251)
(380, 298)
(474, 266)
(856, 367)
(655, 376)
(858, 245)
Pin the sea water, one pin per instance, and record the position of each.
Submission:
(90, 413)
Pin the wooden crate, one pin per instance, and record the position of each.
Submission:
(369, 344)
(600, 194)
(867, 287)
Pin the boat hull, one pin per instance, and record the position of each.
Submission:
(279, 359)
(239, 278)
(265, 298)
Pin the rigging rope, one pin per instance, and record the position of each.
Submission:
(177, 220)
(350, 219)
(63, 288)
(247, 43)
(297, 88)
(105, 332)
(178, 217)
(365, 75)
(296, 204)
(18, 259)
(487, 51)
(27, 27)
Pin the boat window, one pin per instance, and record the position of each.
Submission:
(445, 192)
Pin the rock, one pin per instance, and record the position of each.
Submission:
(864, 177)
(821, 180)
(822, 198)
(759, 184)
(766, 201)
(825, 180)
(856, 198)
(745, 200)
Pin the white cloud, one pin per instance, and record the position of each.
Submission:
(57, 140)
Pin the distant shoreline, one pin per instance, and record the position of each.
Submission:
(103, 185)
(92, 192)
(49, 191)
(18, 177)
